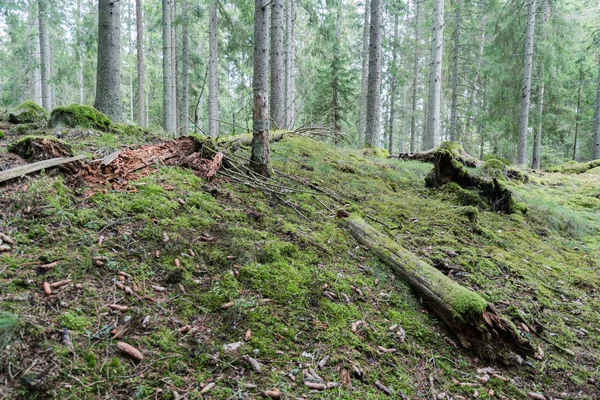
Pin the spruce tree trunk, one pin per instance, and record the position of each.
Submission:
(290, 74)
(456, 58)
(393, 70)
(413, 118)
(79, 52)
(108, 79)
(372, 133)
(185, 66)
(526, 84)
(596, 130)
(213, 73)
(174, 66)
(433, 134)
(276, 96)
(168, 118)
(364, 82)
(537, 144)
(261, 158)
(139, 24)
(577, 112)
(44, 56)
(36, 74)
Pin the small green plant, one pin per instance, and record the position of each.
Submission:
(8, 324)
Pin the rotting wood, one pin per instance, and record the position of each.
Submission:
(429, 156)
(475, 322)
(27, 169)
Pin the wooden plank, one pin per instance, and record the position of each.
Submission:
(37, 166)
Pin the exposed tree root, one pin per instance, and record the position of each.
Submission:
(429, 156)
(475, 322)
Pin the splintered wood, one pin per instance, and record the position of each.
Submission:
(119, 168)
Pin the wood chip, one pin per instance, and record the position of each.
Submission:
(247, 335)
(384, 350)
(253, 363)
(125, 274)
(165, 237)
(6, 239)
(227, 306)
(4, 248)
(177, 263)
(159, 288)
(118, 307)
(157, 254)
(345, 379)
(191, 253)
(272, 394)
(59, 284)
(536, 396)
(46, 267)
(323, 362)
(315, 385)
(207, 388)
(47, 289)
(383, 388)
(66, 338)
(185, 329)
(130, 351)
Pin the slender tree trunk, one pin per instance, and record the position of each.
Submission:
(168, 117)
(213, 73)
(44, 56)
(373, 135)
(174, 66)
(276, 96)
(139, 24)
(79, 52)
(37, 78)
(108, 80)
(185, 66)
(364, 82)
(413, 118)
(290, 73)
(526, 84)
(596, 130)
(537, 144)
(433, 136)
(577, 111)
(393, 70)
(130, 54)
(260, 159)
(456, 56)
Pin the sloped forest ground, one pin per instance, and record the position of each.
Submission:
(233, 292)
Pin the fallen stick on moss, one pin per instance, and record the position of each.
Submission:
(23, 170)
(475, 322)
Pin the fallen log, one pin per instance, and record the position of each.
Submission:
(38, 166)
(454, 148)
(469, 316)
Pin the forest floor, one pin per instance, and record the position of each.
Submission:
(221, 274)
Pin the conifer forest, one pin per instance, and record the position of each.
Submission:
(300, 199)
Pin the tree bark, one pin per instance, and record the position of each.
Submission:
(413, 118)
(433, 136)
(596, 129)
(276, 96)
(139, 24)
(364, 82)
(44, 56)
(393, 71)
(174, 79)
(537, 143)
(475, 322)
(108, 80)
(185, 66)
(526, 84)
(577, 111)
(79, 52)
(290, 65)
(260, 160)
(372, 134)
(213, 73)
(456, 58)
(168, 117)
(36, 79)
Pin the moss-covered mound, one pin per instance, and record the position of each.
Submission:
(129, 130)
(503, 160)
(27, 112)
(574, 167)
(79, 116)
(38, 148)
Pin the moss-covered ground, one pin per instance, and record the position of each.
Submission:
(229, 263)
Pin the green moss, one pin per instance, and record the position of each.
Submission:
(79, 116)
(75, 322)
(28, 112)
(503, 160)
(494, 168)
(128, 130)
(593, 171)
(90, 359)
(1, 134)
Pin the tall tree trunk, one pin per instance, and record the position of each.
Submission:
(79, 52)
(168, 117)
(526, 84)
(185, 66)
(276, 96)
(537, 143)
(596, 130)
(36, 75)
(433, 135)
(174, 65)
(372, 134)
(290, 65)
(456, 58)
(260, 159)
(108, 79)
(413, 118)
(130, 54)
(44, 56)
(577, 111)
(364, 82)
(139, 24)
(393, 70)
(213, 73)
(335, 74)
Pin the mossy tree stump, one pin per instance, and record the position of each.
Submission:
(28, 112)
(39, 148)
(475, 322)
(79, 116)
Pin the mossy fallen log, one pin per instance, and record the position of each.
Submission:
(454, 148)
(39, 148)
(469, 316)
(574, 167)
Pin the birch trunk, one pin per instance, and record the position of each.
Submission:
(168, 118)
(276, 95)
(456, 58)
(526, 84)
(213, 73)
(44, 56)
(261, 158)
(108, 79)
(432, 136)
(290, 66)
(139, 24)
(364, 83)
(413, 118)
(372, 133)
